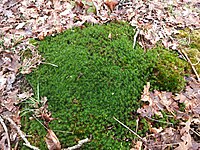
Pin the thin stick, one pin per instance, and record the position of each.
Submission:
(193, 68)
(27, 143)
(80, 143)
(130, 130)
(135, 38)
(6, 130)
(195, 132)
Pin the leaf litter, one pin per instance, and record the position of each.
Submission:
(181, 136)
(155, 20)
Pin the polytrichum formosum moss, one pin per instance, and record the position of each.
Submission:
(99, 75)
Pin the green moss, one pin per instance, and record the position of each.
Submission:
(98, 77)
(190, 42)
(36, 133)
(169, 72)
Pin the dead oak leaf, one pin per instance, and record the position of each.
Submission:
(186, 128)
(185, 137)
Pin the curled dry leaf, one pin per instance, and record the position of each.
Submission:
(155, 130)
(52, 141)
(111, 4)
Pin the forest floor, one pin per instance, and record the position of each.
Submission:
(155, 21)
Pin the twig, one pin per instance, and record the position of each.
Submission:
(80, 143)
(27, 143)
(16, 146)
(195, 132)
(130, 130)
(8, 8)
(163, 145)
(6, 130)
(193, 68)
(135, 38)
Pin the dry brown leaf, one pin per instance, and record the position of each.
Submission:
(111, 4)
(52, 141)
(146, 95)
(155, 130)
(182, 146)
(185, 136)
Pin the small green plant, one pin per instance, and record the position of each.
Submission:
(181, 107)
(31, 109)
(99, 75)
(166, 120)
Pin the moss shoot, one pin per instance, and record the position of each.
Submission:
(99, 75)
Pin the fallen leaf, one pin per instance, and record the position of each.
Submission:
(52, 141)
(111, 4)
(155, 130)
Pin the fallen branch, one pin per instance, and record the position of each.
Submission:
(6, 131)
(80, 143)
(27, 143)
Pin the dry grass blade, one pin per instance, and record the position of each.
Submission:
(130, 130)
(193, 68)
(135, 38)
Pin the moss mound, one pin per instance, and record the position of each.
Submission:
(169, 71)
(190, 42)
(98, 76)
